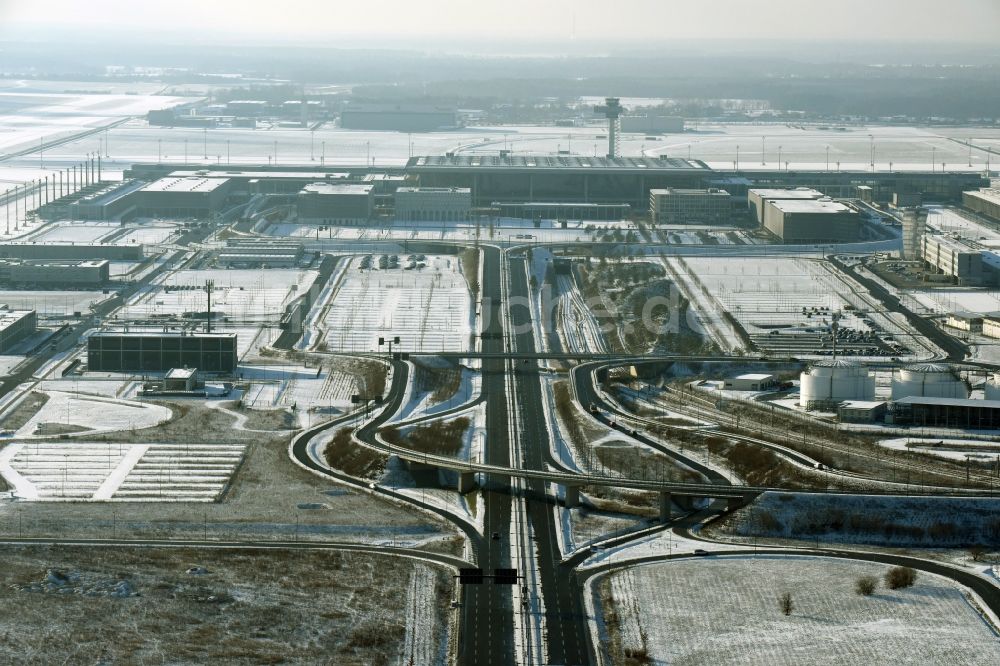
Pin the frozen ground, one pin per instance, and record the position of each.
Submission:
(32, 116)
(240, 294)
(428, 308)
(774, 297)
(92, 413)
(981, 451)
(52, 303)
(724, 610)
(802, 146)
(310, 390)
(104, 471)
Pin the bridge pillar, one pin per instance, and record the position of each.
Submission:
(685, 502)
(572, 499)
(666, 507)
(466, 482)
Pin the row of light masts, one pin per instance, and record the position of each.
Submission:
(43, 191)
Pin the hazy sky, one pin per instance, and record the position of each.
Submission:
(642, 21)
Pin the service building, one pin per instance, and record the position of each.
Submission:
(433, 204)
(690, 206)
(148, 351)
(812, 221)
(329, 203)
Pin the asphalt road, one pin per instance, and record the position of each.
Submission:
(487, 632)
(565, 618)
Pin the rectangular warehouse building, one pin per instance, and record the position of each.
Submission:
(808, 221)
(757, 198)
(397, 118)
(690, 206)
(433, 204)
(956, 257)
(125, 351)
(264, 252)
(68, 251)
(985, 202)
(184, 196)
(50, 273)
(328, 203)
(113, 202)
(15, 326)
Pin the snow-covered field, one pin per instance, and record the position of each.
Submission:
(724, 610)
(103, 471)
(240, 294)
(55, 303)
(774, 297)
(951, 449)
(306, 388)
(94, 413)
(28, 117)
(428, 308)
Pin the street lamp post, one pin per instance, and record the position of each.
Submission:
(763, 162)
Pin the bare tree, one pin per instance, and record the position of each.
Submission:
(785, 601)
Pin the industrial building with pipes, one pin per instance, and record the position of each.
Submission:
(150, 351)
(328, 203)
(960, 259)
(985, 201)
(690, 206)
(76, 274)
(433, 204)
(812, 221)
(15, 326)
(183, 196)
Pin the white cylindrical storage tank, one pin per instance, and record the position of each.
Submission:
(992, 388)
(835, 381)
(928, 380)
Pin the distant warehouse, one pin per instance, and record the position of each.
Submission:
(148, 351)
(652, 123)
(77, 274)
(397, 118)
(70, 251)
(807, 221)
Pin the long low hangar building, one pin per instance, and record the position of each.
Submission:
(150, 351)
